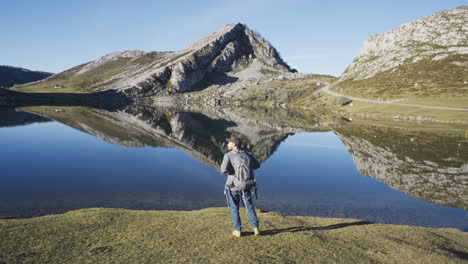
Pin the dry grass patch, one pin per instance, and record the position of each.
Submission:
(100, 235)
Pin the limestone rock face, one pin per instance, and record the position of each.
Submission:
(435, 37)
(210, 60)
(232, 53)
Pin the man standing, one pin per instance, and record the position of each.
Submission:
(239, 165)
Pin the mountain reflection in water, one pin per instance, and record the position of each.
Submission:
(310, 166)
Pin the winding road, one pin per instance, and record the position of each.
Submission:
(392, 102)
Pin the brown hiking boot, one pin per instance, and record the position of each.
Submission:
(236, 233)
(256, 231)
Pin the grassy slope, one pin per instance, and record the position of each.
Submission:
(71, 83)
(280, 92)
(321, 100)
(426, 82)
(389, 111)
(87, 82)
(99, 235)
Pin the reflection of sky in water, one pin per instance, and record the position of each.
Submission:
(52, 168)
(320, 163)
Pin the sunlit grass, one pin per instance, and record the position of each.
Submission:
(100, 235)
(415, 113)
(424, 78)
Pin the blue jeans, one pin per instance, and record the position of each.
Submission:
(234, 198)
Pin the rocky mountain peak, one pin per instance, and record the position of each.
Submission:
(239, 34)
(434, 37)
(216, 36)
(216, 58)
(230, 54)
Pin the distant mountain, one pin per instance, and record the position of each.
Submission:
(10, 76)
(232, 53)
(425, 57)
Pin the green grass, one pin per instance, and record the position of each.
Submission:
(269, 72)
(280, 92)
(315, 100)
(82, 83)
(99, 235)
(88, 82)
(326, 102)
(391, 111)
(282, 117)
(442, 100)
(148, 58)
(421, 79)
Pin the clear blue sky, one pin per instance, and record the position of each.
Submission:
(312, 36)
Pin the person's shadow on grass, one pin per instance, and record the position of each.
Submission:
(302, 228)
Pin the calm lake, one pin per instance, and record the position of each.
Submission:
(55, 159)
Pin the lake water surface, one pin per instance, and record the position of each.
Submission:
(67, 158)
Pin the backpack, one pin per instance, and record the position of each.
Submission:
(243, 177)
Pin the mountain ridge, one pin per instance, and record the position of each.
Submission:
(219, 57)
(427, 56)
(11, 75)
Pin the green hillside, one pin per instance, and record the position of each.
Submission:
(425, 78)
(70, 82)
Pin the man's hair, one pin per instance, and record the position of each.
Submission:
(235, 140)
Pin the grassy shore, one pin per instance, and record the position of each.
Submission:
(322, 100)
(100, 235)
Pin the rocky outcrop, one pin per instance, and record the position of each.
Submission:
(423, 165)
(232, 53)
(434, 37)
(412, 48)
(274, 91)
(10, 76)
(209, 60)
